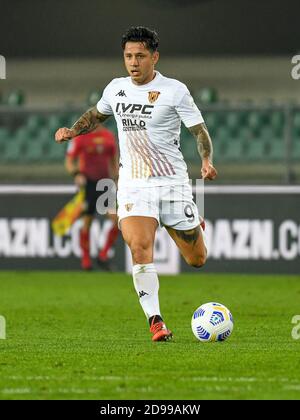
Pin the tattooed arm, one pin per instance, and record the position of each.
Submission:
(203, 139)
(205, 149)
(86, 123)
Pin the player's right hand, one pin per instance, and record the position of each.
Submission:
(64, 134)
(207, 170)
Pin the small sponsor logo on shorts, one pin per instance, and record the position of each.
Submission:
(129, 206)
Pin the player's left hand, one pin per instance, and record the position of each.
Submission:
(208, 171)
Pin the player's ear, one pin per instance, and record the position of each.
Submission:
(155, 57)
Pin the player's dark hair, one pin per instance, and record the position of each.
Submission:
(141, 34)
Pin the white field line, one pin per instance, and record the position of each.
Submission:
(37, 189)
(217, 189)
(292, 387)
(239, 379)
(184, 379)
(249, 189)
(64, 378)
(50, 391)
(97, 391)
(220, 384)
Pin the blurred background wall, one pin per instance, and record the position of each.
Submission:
(234, 56)
(62, 81)
(72, 28)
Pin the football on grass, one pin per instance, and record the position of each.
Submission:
(212, 322)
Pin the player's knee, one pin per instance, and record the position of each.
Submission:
(196, 261)
(140, 250)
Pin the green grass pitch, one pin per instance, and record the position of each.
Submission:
(73, 335)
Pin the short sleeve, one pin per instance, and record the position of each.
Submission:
(103, 105)
(73, 149)
(186, 108)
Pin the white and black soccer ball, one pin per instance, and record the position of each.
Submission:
(212, 322)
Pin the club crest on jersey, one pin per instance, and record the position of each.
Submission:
(152, 96)
(129, 206)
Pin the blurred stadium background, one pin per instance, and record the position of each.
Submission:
(239, 72)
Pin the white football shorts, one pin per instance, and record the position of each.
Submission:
(171, 206)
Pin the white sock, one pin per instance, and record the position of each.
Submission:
(146, 284)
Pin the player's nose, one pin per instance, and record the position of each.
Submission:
(134, 62)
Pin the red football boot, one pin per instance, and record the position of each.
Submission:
(159, 331)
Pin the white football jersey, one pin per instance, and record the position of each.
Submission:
(149, 118)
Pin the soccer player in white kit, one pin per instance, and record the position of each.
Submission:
(153, 185)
